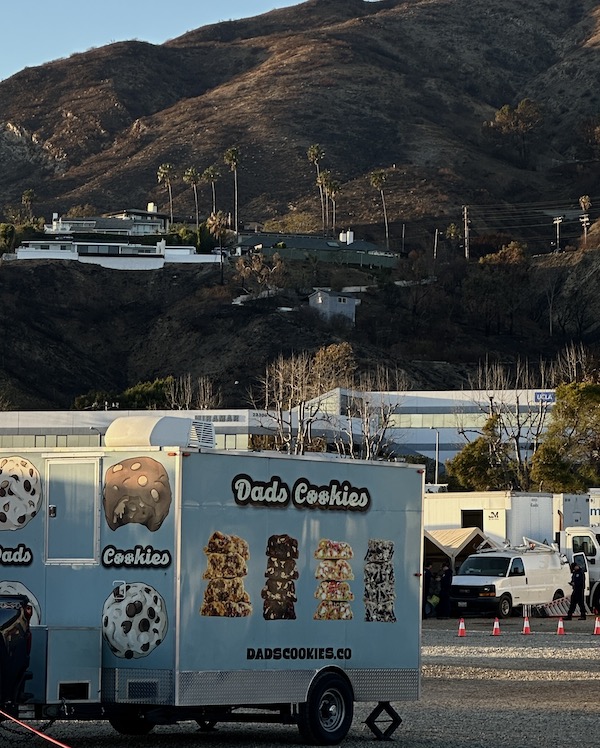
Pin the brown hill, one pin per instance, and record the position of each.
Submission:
(376, 84)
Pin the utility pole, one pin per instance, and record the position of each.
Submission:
(435, 243)
(466, 230)
(585, 222)
(557, 222)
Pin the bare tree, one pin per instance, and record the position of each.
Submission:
(178, 392)
(364, 429)
(207, 396)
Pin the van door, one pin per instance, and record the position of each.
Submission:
(517, 582)
(582, 561)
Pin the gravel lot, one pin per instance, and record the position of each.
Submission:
(478, 691)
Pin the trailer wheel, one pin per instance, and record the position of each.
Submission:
(131, 723)
(505, 606)
(326, 716)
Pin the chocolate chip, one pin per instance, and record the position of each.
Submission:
(144, 624)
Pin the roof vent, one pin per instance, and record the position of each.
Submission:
(159, 431)
(202, 434)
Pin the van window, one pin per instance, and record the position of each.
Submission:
(517, 568)
(485, 566)
(583, 544)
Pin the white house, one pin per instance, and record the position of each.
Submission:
(334, 303)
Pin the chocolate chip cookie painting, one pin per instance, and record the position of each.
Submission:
(137, 490)
(20, 492)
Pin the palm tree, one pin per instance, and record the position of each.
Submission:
(210, 175)
(166, 174)
(27, 199)
(216, 224)
(334, 188)
(232, 159)
(324, 181)
(315, 153)
(377, 180)
(192, 178)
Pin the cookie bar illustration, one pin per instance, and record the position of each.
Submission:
(225, 596)
(333, 549)
(281, 569)
(333, 573)
(379, 590)
(282, 546)
(136, 490)
(20, 492)
(16, 588)
(221, 543)
(225, 566)
(334, 569)
(279, 592)
(334, 591)
(134, 625)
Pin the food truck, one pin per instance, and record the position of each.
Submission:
(170, 581)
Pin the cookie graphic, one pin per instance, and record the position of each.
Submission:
(328, 610)
(133, 626)
(333, 549)
(334, 569)
(219, 542)
(16, 588)
(279, 592)
(20, 492)
(330, 590)
(282, 546)
(379, 590)
(225, 596)
(136, 490)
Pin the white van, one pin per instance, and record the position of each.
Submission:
(499, 580)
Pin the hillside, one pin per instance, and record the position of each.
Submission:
(401, 85)
(69, 329)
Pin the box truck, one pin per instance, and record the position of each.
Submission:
(170, 581)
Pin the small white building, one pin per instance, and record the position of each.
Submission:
(330, 304)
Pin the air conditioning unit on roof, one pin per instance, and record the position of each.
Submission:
(159, 431)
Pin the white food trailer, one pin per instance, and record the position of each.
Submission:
(170, 581)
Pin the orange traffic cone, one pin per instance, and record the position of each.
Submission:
(526, 629)
(461, 627)
(560, 629)
(597, 626)
(496, 629)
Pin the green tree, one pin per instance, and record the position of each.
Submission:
(192, 178)
(483, 464)
(518, 124)
(568, 459)
(378, 179)
(232, 159)
(216, 224)
(8, 237)
(315, 154)
(166, 175)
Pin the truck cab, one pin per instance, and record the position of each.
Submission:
(582, 544)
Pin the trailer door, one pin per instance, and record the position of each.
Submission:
(72, 495)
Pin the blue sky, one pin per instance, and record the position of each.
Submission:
(59, 28)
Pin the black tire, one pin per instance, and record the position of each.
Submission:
(505, 606)
(558, 595)
(131, 723)
(326, 716)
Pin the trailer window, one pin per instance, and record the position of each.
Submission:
(485, 566)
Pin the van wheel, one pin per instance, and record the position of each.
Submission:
(505, 606)
(131, 723)
(558, 594)
(326, 716)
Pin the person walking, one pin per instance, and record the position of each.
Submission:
(577, 595)
(443, 607)
(427, 579)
